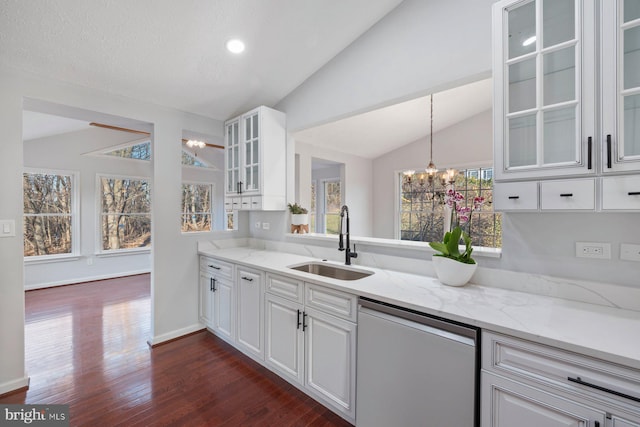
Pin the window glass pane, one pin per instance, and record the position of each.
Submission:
(126, 207)
(631, 10)
(522, 27)
(522, 85)
(632, 57)
(47, 235)
(255, 127)
(46, 193)
(189, 159)
(137, 152)
(522, 141)
(559, 76)
(558, 21)
(196, 207)
(560, 135)
(632, 125)
(236, 151)
(247, 128)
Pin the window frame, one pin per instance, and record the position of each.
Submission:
(74, 214)
(211, 210)
(99, 251)
(104, 152)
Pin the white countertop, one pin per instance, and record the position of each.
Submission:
(607, 333)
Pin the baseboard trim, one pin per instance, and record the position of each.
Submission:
(14, 386)
(173, 335)
(84, 279)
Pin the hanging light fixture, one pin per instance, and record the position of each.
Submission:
(431, 169)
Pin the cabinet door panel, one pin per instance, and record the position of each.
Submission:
(577, 194)
(507, 403)
(250, 296)
(284, 343)
(619, 422)
(205, 308)
(224, 312)
(330, 360)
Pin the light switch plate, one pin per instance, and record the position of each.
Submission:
(7, 228)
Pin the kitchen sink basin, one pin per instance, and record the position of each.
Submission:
(332, 271)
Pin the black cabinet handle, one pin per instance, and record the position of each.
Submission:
(609, 151)
(212, 284)
(596, 423)
(213, 266)
(299, 323)
(248, 279)
(514, 197)
(589, 149)
(304, 321)
(634, 193)
(578, 380)
(566, 194)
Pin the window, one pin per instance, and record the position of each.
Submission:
(136, 151)
(50, 226)
(125, 213)
(312, 212)
(190, 159)
(422, 217)
(332, 200)
(196, 207)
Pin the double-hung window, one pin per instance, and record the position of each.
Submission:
(197, 214)
(125, 213)
(50, 214)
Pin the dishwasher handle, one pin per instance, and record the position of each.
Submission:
(463, 334)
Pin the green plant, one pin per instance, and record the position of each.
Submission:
(449, 247)
(297, 209)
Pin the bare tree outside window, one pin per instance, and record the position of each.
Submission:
(332, 200)
(422, 216)
(196, 207)
(48, 214)
(126, 213)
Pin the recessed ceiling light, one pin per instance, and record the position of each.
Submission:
(235, 46)
(529, 41)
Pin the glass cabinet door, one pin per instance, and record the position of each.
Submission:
(621, 97)
(543, 88)
(232, 151)
(252, 152)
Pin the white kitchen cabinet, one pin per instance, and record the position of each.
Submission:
(621, 193)
(250, 296)
(568, 194)
(313, 344)
(515, 196)
(552, 60)
(255, 161)
(529, 384)
(217, 297)
(544, 69)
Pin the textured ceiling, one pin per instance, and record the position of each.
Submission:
(172, 53)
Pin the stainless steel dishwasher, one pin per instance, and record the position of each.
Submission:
(414, 369)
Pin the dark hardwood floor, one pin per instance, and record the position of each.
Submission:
(86, 347)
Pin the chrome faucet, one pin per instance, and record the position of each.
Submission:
(344, 217)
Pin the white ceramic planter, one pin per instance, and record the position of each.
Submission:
(299, 219)
(451, 272)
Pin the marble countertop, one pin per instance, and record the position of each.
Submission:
(606, 333)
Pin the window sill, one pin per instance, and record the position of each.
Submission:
(123, 252)
(46, 259)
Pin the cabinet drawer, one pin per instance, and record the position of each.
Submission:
(221, 269)
(515, 196)
(570, 194)
(228, 204)
(285, 287)
(621, 193)
(554, 367)
(331, 301)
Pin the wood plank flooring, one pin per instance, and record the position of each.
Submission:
(86, 347)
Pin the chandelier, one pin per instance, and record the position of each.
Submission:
(433, 186)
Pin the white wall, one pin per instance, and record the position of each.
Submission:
(420, 47)
(174, 261)
(464, 145)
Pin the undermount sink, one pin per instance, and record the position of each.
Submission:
(332, 271)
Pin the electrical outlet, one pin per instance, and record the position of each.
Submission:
(593, 250)
(629, 252)
(265, 225)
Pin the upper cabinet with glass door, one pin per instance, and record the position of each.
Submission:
(255, 152)
(620, 85)
(544, 88)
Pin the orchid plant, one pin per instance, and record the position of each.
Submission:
(460, 217)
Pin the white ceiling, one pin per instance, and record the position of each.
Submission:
(376, 132)
(172, 53)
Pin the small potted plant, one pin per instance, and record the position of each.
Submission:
(299, 218)
(455, 268)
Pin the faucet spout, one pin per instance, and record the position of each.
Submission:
(344, 218)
